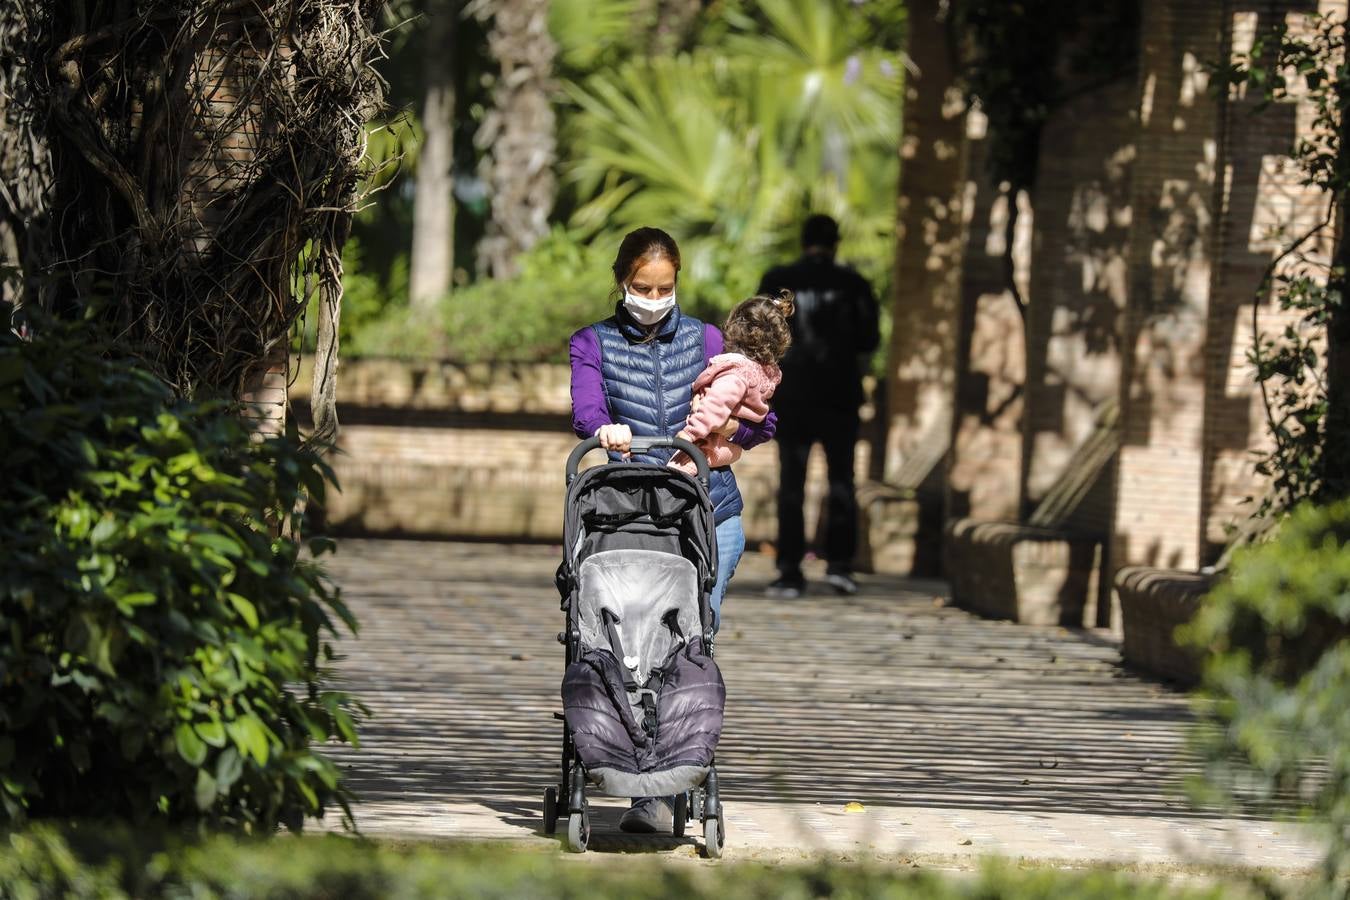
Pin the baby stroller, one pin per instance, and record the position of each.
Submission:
(642, 697)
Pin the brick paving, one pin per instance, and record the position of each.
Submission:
(960, 737)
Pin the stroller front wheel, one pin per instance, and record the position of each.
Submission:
(578, 831)
(714, 836)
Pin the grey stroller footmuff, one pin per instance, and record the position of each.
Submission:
(644, 701)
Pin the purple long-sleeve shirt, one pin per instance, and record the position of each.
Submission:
(590, 411)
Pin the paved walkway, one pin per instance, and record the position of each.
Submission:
(960, 737)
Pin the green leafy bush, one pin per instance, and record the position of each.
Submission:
(1276, 634)
(46, 863)
(163, 639)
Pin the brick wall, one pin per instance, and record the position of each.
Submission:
(1078, 286)
(1158, 483)
(1158, 206)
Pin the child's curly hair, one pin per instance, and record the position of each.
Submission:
(758, 327)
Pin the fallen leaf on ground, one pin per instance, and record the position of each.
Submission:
(854, 806)
(966, 842)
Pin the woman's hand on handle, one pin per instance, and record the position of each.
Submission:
(615, 438)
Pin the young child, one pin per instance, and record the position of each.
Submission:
(740, 381)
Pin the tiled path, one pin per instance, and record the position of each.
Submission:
(960, 737)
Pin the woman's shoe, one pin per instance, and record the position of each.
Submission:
(649, 815)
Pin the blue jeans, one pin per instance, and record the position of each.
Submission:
(730, 546)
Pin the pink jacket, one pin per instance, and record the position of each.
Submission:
(731, 385)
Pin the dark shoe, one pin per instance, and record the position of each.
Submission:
(842, 582)
(787, 587)
(649, 815)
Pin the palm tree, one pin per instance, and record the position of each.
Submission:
(433, 233)
(745, 148)
(518, 134)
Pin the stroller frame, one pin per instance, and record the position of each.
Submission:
(701, 803)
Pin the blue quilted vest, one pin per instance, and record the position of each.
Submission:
(647, 385)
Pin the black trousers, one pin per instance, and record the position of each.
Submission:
(838, 435)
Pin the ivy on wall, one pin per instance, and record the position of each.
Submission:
(1302, 371)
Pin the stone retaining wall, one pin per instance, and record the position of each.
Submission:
(1033, 576)
(437, 449)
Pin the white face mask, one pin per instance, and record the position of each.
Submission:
(647, 312)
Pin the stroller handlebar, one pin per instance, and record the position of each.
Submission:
(642, 445)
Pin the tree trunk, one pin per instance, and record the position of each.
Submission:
(518, 133)
(433, 242)
(25, 164)
(205, 159)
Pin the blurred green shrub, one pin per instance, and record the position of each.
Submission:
(80, 864)
(563, 285)
(163, 638)
(1276, 689)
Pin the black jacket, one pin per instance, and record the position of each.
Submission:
(833, 330)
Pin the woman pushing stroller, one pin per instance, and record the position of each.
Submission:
(633, 373)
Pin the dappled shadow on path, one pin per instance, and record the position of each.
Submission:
(887, 698)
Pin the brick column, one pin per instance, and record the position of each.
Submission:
(926, 297)
(1160, 471)
(916, 423)
(984, 463)
(1078, 286)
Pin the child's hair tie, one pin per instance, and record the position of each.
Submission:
(785, 303)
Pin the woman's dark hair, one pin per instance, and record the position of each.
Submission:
(640, 247)
(758, 327)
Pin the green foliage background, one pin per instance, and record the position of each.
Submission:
(164, 637)
(727, 129)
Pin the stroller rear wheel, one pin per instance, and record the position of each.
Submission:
(551, 811)
(578, 831)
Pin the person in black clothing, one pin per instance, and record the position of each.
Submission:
(834, 333)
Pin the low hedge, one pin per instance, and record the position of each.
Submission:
(93, 863)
